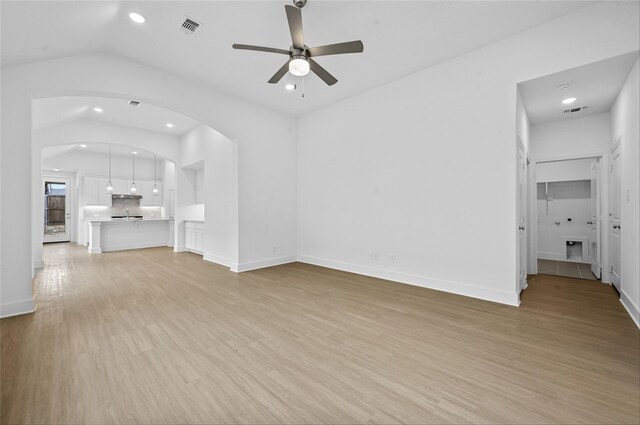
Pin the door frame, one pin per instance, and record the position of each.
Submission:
(615, 144)
(71, 198)
(604, 204)
(522, 210)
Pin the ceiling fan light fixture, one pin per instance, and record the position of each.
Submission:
(299, 66)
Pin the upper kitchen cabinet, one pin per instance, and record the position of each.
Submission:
(148, 199)
(95, 192)
(120, 187)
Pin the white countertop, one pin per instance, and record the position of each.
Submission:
(124, 220)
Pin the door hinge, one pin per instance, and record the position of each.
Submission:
(611, 168)
(610, 269)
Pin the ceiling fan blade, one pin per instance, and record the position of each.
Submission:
(294, 16)
(260, 49)
(280, 73)
(337, 49)
(322, 73)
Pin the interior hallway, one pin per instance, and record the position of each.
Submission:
(153, 336)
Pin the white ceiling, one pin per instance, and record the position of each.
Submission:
(595, 85)
(98, 149)
(400, 38)
(51, 111)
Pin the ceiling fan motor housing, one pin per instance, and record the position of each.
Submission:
(299, 3)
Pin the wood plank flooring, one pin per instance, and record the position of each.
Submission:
(153, 336)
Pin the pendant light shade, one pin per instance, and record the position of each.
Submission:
(109, 185)
(133, 190)
(155, 177)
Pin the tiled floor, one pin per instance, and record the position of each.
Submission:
(566, 269)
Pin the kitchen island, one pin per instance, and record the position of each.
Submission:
(117, 234)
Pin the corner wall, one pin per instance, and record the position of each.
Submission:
(625, 119)
(221, 234)
(414, 181)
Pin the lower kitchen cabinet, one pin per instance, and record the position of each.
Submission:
(194, 236)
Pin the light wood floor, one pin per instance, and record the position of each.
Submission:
(151, 336)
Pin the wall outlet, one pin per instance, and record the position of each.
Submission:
(374, 256)
(392, 258)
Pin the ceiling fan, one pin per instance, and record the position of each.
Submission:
(300, 55)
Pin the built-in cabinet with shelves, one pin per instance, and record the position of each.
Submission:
(194, 236)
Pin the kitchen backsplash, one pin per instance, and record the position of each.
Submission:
(119, 207)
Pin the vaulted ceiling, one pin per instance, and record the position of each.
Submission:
(400, 38)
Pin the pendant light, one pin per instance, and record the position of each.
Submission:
(133, 190)
(155, 177)
(109, 185)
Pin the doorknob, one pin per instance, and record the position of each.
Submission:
(521, 227)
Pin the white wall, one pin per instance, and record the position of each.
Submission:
(205, 148)
(570, 137)
(625, 114)
(415, 180)
(556, 171)
(557, 202)
(97, 165)
(266, 154)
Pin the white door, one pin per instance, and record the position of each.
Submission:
(57, 210)
(595, 221)
(614, 216)
(522, 218)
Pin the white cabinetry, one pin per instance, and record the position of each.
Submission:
(148, 199)
(120, 187)
(194, 236)
(95, 192)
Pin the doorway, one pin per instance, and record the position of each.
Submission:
(568, 218)
(614, 215)
(57, 210)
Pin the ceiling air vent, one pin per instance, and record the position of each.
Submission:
(134, 103)
(189, 26)
(576, 109)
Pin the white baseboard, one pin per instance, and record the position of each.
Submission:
(178, 248)
(17, 308)
(212, 258)
(95, 251)
(38, 264)
(631, 309)
(261, 264)
(459, 288)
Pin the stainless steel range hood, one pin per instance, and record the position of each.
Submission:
(125, 196)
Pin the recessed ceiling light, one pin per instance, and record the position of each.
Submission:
(56, 169)
(569, 100)
(83, 146)
(137, 18)
(290, 86)
(134, 152)
(169, 125)
(97, 109)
